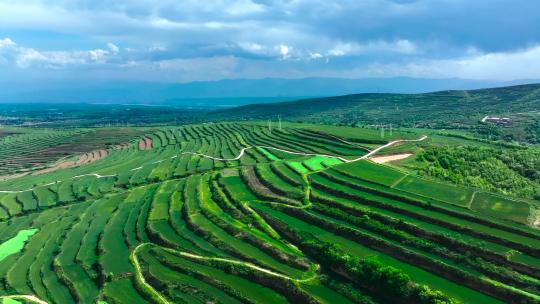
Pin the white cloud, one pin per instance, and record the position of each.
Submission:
(113, 47)
(511, 65)
(284, 50)
(280, 51)
(244, 7)
(403, 46)
(337, 51)
(522, 64)
(98, 55)
(325, 49)
(6, 42)
(475, 64)
(400, 46)
(24, 57)
(277, 36)
(253, 47)
(315, 55)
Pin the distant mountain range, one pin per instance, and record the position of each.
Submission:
(228, 93)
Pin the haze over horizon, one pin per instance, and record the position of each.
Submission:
(52, 46)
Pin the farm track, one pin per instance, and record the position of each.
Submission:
(30, 298)
(242, 152)
(189, 255)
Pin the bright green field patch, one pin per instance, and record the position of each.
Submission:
(315, 163)
(16, 243)
(331, 161)
(371, 171)
(298, 167)
(444, 192)
(500, 207)
(268, 154)
(10, 301)
(318, 162)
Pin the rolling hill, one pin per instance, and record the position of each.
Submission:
(441, 109)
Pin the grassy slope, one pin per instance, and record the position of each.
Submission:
(445, 109)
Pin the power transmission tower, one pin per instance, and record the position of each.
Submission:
(382, 131)
(269, 125)
(279, 118)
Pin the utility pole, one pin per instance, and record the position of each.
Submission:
(382, 131)
(390, 129)
(269, 125)
(279, 118)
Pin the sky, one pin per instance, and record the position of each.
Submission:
(194, 40)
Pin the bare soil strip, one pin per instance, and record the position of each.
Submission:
(142, 144)
(121, 146)
(85, 158)
(8, 177)
(145, 143)
(389, 158)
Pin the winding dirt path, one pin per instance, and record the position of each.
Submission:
(372, 152)
(96, 175)
(31, 189)
(242, 152)
(30, 298)
(388, 145)
(186, 254)
(140, 276)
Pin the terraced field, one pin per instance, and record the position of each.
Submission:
(235, 213)
(28, 149)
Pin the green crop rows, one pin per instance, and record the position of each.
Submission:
(236, 213)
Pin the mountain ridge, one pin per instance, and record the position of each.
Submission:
(232, 91)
